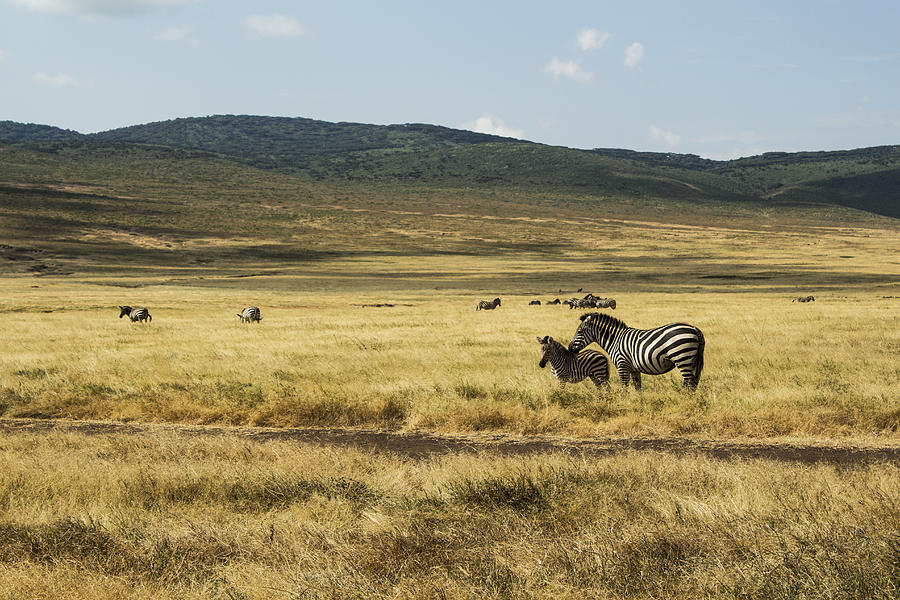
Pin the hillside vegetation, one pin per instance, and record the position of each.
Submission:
(419, 154)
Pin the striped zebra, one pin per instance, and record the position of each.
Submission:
(650, 351)
(804, 299)
(250, 314)
(135, 314)
(605, 303)
(571, 367)
(485, 305)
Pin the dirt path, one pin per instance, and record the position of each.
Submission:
(422, 445)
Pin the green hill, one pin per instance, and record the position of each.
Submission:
(427, 155)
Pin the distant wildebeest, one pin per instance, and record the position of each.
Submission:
(485, 305)
(534, 303)
(650, 351)
(140, 314)
(572, 367)
(554, 301)
(804, 299)
(250, 314)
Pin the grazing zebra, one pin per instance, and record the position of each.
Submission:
(804, 299)
(135, 314)
(572, 367)
(534, 303)
(605, 303)
(485, 305)
(650, 351)
(554, 301)
(250, 314)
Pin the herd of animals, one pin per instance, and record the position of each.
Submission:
(633, 352)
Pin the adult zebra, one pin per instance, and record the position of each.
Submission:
(650, 351)
(485, 305)
(572, 367)
(135, 314)
(250, 314)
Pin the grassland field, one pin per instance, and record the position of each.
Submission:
(157, 515)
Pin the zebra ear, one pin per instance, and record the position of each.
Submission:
(543, 340)
(585, 316)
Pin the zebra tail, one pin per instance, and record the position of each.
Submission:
(700, 349)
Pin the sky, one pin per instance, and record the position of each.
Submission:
(717, 78)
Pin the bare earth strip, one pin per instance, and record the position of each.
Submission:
(422, 445)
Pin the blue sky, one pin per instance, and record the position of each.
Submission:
(716, 78)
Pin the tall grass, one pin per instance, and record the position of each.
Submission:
(773, 368)
(166, 515)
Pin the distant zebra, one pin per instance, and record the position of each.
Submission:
(485, 305)
(650, 351)
(605, 303)
(135, 314)
(534, 303)
(804, 299)
(571, 367)
(554, 301)
(250, 314)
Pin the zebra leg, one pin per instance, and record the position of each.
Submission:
(636, 378)
(600, 383)
(624, 375)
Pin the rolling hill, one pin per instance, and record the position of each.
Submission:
(867, 179)
(231, 197)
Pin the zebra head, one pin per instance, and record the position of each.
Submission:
(595, 327)
(545, 350)
(125, 311)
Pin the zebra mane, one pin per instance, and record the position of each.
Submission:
(604, 319)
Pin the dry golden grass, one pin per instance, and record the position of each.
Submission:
(168, 515)
(826, 369)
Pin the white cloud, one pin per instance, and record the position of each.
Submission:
(112, 8)
(669, 138)
(60, 80)
(493, 126)
(569, 70)
(275, 25)
(591, 39)
(2, 56)
(634, 54)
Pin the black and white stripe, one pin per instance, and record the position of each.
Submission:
(250, 314)
(571, 367)
(140, 314)
(650, 351)
(485, 305)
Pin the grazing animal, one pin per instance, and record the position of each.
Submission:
(572, 367)
(250, 314)
(804, 299)
(485, 305)
(135, 314)
(650, 351)
(554, 301)
(534, 303)
(605, 303)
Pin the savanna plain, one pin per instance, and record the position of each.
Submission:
(368, 301)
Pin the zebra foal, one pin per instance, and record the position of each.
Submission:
(250, 314)
(140, 314)
(650, 351)
(572, 367)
